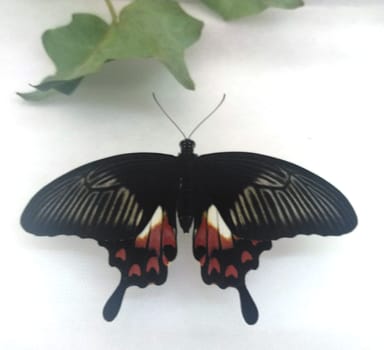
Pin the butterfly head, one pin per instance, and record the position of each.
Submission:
(187, 146)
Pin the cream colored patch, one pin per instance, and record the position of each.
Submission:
(215, 220)
(156, 219)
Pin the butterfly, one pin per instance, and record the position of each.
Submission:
(236, 204)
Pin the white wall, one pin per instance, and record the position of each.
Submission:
(305, 86)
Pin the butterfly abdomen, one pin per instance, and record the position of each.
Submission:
(185, 200)
(185, 209)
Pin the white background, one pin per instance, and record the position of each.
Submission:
(304, 85)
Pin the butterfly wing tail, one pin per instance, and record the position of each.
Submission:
(248, 306)
(113, 304)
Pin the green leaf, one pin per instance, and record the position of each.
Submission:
(157, 29)
(232, 9)
(35, 95)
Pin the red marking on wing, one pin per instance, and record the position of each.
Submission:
(165, 261)
(169, 237)
(213, 239)
(231, 271)
(134, 270)
(121, 254)
(213, 265)
(155, 239)
(226, 243)
(144, 260)
(225, 259)
(201, 234)
(141, 241)
(255, 242)
(202, 260)
(246, 256)
(153, 263)
(208, 236)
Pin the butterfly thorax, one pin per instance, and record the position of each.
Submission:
(187, 146)
(185, 201)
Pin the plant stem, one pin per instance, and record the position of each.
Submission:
(112, 11)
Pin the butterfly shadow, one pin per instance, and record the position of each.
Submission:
(304, 245)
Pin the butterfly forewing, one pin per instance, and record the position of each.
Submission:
(112, 198)
(265, 198)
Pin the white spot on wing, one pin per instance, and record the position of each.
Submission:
(212, 216)
(215, 220)
(157, 216)
(156, 219)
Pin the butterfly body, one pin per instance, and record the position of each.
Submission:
(236, 203)
(185, 201)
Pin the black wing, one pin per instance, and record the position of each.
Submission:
(127, 203)
(245, 200)
(266, 198)
(109, 199)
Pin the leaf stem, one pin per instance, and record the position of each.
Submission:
(112, 11)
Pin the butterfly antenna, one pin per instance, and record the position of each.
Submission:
(207, 117)
(167, 115)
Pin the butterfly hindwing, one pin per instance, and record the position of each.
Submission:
(225, 259)
(142, 260)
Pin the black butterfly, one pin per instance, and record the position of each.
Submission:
(236, 202)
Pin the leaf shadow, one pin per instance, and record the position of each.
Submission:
(117, 84)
